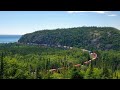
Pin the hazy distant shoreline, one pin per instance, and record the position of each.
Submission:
(9, 38)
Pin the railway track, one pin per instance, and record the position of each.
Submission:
(92, 55)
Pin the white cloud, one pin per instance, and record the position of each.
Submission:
(112, 15)
(100, 12)
(108, 13)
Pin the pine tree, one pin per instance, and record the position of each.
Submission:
(105, 73)
(90, 72)
(30, 69)
(2, 67)
(75, 74)
(36, 73)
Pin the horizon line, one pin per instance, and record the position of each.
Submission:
(11, 34)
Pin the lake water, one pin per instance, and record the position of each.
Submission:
(9, 38)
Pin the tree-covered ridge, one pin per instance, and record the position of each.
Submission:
(103, 38)
(22, 61)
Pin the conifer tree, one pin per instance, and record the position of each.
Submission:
(1, 66)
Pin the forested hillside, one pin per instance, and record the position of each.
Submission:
(72, 53)
(92, 38)
(23, 61)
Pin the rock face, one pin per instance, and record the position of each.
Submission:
(103, 38)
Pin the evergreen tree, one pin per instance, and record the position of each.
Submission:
(2, 67)
(105, 73)
(76, 74)
(90, 72)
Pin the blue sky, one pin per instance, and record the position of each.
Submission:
(21, 22)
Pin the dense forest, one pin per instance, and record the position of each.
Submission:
(92, 38)
(22, 61)
(63, 54)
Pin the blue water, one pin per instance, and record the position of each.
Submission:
(9, 38)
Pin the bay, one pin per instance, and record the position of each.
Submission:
(9, 38)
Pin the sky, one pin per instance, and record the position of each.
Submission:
(22, 22)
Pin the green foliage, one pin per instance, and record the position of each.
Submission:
(20, 61)
(56, 76)
(76, 74)
(89, 72)
(1, 66)
(106, 73)
(97, 73)
(103, 38)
